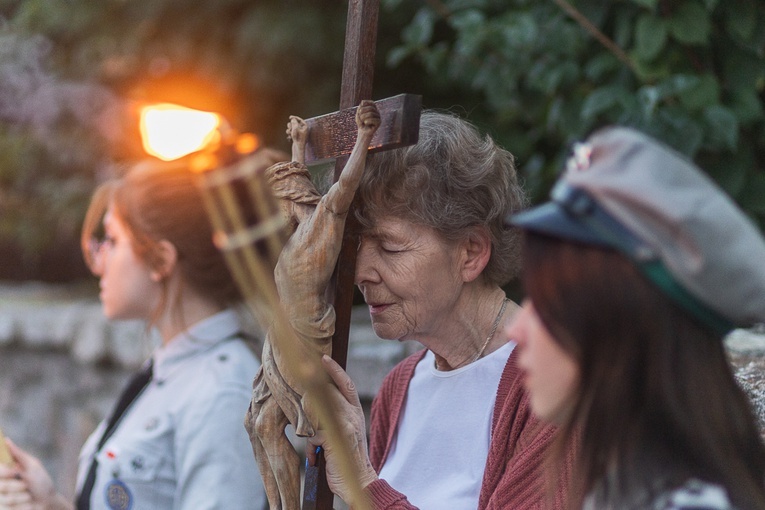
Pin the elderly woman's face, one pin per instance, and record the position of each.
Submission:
(409, 276)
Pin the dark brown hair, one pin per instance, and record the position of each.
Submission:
(160, 201)
(657, 402)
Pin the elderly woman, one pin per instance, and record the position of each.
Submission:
(451, 426)
(634, 272)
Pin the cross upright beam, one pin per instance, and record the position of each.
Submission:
(359, 54)
(358, 73)
(333, 136)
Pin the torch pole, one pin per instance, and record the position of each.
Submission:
(253, 271)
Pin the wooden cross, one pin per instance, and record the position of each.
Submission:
(333, 136)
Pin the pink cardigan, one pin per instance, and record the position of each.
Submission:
(515, 467)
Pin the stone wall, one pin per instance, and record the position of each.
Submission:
(747, 354)
(62, 364)
(49, 404)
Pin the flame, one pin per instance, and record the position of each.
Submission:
(170, 131)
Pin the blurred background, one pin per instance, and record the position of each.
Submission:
(535, 74)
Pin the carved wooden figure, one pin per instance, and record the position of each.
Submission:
(302, 274)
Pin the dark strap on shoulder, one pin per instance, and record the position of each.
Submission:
(129, 394)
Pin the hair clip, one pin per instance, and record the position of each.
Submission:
(580, 159)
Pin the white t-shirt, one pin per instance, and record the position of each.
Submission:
(438, 456)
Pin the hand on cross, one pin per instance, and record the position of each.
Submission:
(297, 133)
(367, 117)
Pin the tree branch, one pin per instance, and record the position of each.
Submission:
(440, 8)
(596, 33)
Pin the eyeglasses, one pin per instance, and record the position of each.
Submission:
(96, 250)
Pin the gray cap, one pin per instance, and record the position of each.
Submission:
(625, 190)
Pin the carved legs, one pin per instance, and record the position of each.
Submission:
(269, 480)
(278, 461)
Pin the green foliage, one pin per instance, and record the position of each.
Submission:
(41, 196)
(690, 72)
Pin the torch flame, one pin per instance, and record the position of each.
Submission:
(170, 131)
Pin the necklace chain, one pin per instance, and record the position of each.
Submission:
(488, 338)
(493, 330)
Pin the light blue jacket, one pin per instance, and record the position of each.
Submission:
(182, 444)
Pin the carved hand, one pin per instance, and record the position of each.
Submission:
(297, 129)
(297, 132)
(367, 117)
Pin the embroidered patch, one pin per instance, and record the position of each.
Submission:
(118, 496)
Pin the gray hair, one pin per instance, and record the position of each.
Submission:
(452, 180)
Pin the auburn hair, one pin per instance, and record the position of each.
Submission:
(160, 201)
(657, 402)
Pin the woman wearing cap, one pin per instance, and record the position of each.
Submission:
(180, 443)
(634, 272)
(450, 426)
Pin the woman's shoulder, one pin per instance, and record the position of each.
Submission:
(694, 494)
(396, 382)
(232, 362)
(404, 368)
(222, 368)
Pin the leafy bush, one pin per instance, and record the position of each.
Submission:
(537, 75)
(689, 72)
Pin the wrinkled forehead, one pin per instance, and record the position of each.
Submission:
(382, 209)
(400, 230)
(384, 227)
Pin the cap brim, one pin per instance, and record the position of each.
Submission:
(551, 219)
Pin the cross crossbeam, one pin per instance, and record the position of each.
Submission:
(334, 134)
